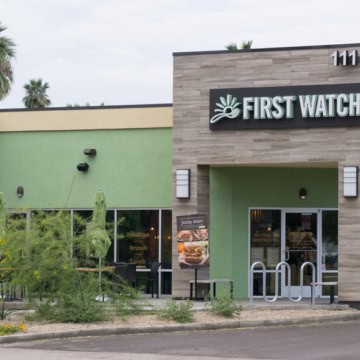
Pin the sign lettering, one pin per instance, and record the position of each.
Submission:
(305, 106)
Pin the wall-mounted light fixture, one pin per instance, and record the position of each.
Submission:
(302, 193)
(350, 181)
(90, 152)
(183, 183)
(83, 166)
(20, 192)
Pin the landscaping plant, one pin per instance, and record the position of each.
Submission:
(43, 257)
(181, 312)
(7, 329)
(223, 305)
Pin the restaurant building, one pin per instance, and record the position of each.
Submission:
(271, 139)
(263, 145)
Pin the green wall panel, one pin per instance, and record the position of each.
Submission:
(132, 167)
(234, 190)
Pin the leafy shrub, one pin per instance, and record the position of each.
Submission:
(37, 255)
(7, 329)
(126, 301)
(75, 309)
(77, 300)
(43, 257)
(180, 312)
(223, 305)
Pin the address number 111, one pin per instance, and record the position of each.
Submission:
(345, 58)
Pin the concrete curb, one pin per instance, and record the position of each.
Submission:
(236, 324)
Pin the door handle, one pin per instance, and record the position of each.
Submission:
(286, 255)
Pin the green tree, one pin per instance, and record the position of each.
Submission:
(35, 94)
(7, 53)
(244, 45)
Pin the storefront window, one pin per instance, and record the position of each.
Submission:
(166, 282)
(329, 240)
(137, 237)
(265, 231)
(166, 243)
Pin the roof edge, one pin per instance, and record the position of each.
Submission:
(286, 48)
(105, 107)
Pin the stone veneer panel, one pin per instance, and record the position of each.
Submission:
(194, 144)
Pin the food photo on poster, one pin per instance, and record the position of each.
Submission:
(193, 241)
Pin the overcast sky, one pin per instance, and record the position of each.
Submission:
(120, 51)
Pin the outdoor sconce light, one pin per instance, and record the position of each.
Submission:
(183, 184)
(20, 192)
(91, 152)
(350, 181)
(83, 167)
(302, 193)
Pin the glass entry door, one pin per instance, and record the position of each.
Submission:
(300, 244)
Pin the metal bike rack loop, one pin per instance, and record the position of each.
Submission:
(277, 270)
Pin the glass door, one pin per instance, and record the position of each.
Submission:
(300, 245)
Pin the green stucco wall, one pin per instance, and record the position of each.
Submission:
(132, 167)
(234, 190)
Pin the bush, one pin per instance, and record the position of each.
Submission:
(223, 305)
(7, 329)
(37, 256)
(43, 257)
(180, 312)
(126, 301)
(77, 300)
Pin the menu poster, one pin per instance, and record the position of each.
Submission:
(193, 241)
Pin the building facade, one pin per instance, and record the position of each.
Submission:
(270, 136)
(40, 152)
(270, 139)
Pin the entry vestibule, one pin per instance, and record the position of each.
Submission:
(294, 236)
(234, 191)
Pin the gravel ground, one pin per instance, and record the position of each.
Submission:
(153, 320)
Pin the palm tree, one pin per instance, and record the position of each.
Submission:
(232, 47)
(7, 53)
(36, 96)
(244, 45)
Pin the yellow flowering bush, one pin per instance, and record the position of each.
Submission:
(9, 328)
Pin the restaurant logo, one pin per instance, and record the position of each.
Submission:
(306, 106)
(227, 108)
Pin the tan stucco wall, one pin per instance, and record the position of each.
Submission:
(86, 119)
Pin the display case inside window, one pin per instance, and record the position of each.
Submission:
(137, 237)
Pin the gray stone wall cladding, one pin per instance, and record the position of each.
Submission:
(195, 146)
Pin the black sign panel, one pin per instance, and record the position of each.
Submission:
(312, 106)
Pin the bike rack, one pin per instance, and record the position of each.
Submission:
(277, 270)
